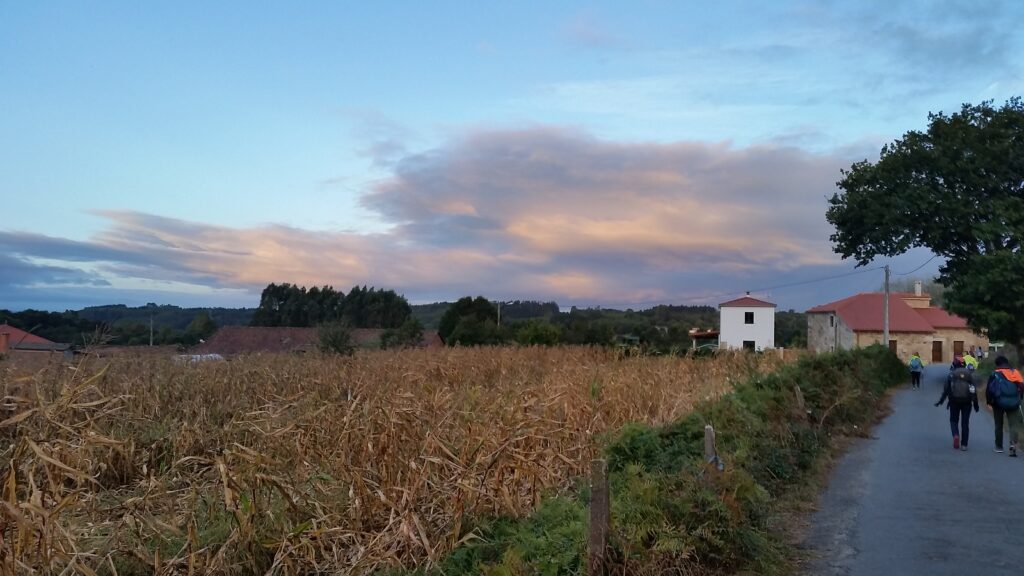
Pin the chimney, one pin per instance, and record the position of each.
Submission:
(917, 288)
(5, 340)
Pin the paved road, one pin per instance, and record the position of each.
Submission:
(904, 502)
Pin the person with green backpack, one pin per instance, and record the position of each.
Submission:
(916, 365)
(1003, 394)
(962, 394)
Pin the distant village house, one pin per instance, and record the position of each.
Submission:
(746, 323)
(16, 341)
(914, 326)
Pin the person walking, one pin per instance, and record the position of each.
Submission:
(916, 366)
(1003, 395)
(970, 361)
(962, 395)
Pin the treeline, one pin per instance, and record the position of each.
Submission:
(661, 329)
(470, 321)
(292, 305)
(120, 325)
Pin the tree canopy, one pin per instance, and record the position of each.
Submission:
(957, 189)
(292, 305)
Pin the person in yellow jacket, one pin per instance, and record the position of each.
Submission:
(970, 361)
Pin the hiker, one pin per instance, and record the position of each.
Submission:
(970, 361)
(916, 366)
(1003, 395)
(962, 394)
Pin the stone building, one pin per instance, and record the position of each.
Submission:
(914, 326)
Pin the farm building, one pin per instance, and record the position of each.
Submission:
(746, 323)
(16, 341)
(914, 326)
(233, 340)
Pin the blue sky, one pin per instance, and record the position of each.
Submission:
(591, 153)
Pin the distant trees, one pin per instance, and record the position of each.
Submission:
(470, 321)
(292, 305)
(201, 328)
(791, 329)
(409, 334)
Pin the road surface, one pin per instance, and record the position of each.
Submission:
(904, 502)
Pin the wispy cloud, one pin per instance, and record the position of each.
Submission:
(588, 30)
(547, 212)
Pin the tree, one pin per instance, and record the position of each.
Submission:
(201, 327)
(958, 190)
(409, 334)
(335, 338)
(538, 332)
(473, 313)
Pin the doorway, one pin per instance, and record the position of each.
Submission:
(892, 347)
(958, 347)
(937, 351)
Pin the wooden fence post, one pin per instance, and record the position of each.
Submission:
(599, 518)
(710, 452)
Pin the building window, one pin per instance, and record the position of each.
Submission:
(748, 317)
(748, 344)
(831, 321)
(892, 346)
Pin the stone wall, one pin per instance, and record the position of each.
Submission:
(827, 331)
(908, 343)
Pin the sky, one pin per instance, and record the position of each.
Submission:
(595, 154)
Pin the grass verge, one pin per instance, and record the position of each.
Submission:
(672, 513)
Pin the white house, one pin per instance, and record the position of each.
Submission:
(746, 323)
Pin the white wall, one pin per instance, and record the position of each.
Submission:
(734, 331)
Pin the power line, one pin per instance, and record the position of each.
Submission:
(919, 267)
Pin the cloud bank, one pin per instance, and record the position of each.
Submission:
(546, 212)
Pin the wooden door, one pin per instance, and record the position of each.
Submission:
(892, 346)
(937, 351)
(958, 347)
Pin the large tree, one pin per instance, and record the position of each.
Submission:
(958, 190)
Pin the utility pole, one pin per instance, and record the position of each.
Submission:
(885, 322)
(150, 329)
(499, 313)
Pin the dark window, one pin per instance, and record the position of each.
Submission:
(831, 321)
(748, 344)
(748, 317)
(892, 346)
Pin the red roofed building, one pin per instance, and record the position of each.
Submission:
(17, 340)
(914, 326)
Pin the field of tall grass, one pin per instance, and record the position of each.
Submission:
(307, 464)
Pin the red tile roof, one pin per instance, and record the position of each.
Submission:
(746, 302)
(258, 339)
(865, 313)
(18, 336)
(939, 318)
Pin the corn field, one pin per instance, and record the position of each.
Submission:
(287, 464)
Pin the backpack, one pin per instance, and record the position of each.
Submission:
(1005, 391)
(960, 386)
(915, 364)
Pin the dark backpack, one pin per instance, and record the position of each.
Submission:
(1006, 392)
(960, 385)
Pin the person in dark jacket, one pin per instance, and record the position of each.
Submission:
(1004, 403)
(962, 395)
